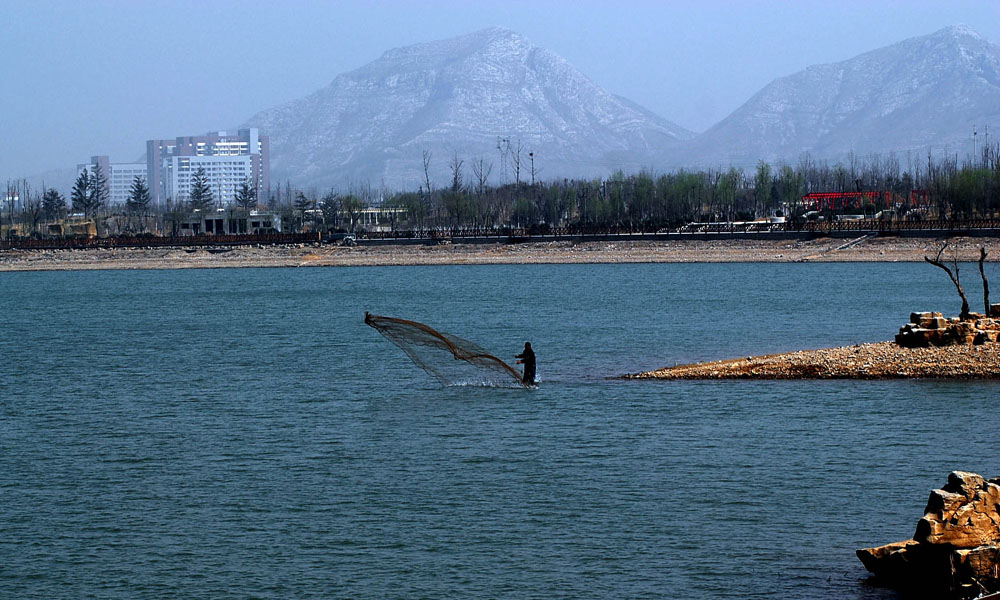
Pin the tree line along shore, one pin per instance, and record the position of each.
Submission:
(889, 187)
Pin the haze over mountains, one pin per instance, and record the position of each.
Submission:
(924, 93)
(460, 95)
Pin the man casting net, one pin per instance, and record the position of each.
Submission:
(449, 359)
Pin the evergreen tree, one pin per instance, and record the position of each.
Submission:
(98, 193)
(246, 196)
(200, 197)
(80, 196)
(138, 200)
(138, 196)
(302, 204)
(53, 204)
(330, 205)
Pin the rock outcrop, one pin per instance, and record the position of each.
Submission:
(955, 551)
(933, 329)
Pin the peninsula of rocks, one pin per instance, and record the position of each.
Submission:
(929, 346)
(955, 551)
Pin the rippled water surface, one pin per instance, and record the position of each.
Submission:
(242, 433)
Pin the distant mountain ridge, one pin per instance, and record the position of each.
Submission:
(924, 93)
(458, 96)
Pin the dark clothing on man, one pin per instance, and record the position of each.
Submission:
(528, 358)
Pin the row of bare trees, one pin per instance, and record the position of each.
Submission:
(644, 199)
(638, 200)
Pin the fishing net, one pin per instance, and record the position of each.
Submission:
(449, 359)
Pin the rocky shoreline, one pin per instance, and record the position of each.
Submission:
(875, 249)
(929, 346)
(883, 360)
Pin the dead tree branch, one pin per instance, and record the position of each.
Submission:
(986, 284)
(953, 276)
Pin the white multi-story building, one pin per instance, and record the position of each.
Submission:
(119, 176)
(225, 175)
(228, 159)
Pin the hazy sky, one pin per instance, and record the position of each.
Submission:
(95, 77)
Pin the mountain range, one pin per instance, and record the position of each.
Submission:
(463, 95)
(480, 97)
(460, 97)
(922, 94)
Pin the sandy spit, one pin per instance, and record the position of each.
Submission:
(316, 255)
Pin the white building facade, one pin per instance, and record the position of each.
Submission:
(229, 159)
(225, 175)
(119, 177)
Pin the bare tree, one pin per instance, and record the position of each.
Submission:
(456, 172)
(427, 171)
(10, 207)
(953, 276)
(515, 158)
(33, 210)
(354, 206)
(481, 171)
(986, 283)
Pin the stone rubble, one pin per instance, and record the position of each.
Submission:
(927, 329)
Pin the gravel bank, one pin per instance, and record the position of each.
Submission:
(884, 360)
(818, 250)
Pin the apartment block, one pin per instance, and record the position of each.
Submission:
(119, 176)
(227, 159)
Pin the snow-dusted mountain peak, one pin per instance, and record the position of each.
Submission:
(458, 96)
(959, 30)
(920, 95)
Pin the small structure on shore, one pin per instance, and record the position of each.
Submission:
(955, 551)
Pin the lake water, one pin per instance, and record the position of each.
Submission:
(242, 433)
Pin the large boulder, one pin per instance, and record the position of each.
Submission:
(955, 551)
(965, 513)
